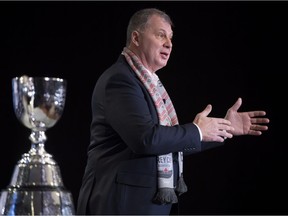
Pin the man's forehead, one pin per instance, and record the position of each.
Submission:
(157, 22)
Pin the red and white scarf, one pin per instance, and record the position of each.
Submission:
(167, 117)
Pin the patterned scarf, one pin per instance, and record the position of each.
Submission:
(167, 116)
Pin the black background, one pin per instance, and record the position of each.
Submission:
(222, 51)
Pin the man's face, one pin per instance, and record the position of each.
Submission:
(155, 43)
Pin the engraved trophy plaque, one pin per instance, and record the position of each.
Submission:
(36, 187)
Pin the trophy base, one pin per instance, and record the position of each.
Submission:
(36, 201)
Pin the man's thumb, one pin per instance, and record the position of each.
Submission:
(207, 110)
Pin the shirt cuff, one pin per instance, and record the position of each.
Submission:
(199, 131)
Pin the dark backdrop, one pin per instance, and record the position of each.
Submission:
(222, 50)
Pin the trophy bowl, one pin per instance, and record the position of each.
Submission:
(38, 101)
(36, 187)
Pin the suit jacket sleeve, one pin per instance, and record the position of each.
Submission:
(132, 114)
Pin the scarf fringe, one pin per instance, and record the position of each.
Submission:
(165, 196)
(181, 186)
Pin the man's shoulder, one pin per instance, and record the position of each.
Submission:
(119, 70)
(119, 67)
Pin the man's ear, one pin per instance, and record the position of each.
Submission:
(135, 38)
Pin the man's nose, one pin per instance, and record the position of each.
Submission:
(168, 43)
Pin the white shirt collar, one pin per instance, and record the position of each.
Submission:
(154, 77)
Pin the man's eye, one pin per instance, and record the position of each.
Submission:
(161, 36)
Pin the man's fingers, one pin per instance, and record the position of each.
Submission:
(223, 121)
(259, 120)
(256, 113)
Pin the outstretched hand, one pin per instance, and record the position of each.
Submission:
(213, 129)
(246, 123)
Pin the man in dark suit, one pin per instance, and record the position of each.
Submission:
(135, 159)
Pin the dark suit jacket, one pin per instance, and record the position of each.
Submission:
(121, 172)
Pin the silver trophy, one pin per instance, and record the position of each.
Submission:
(36, 187)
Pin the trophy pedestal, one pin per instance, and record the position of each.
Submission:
(32, 201)
(36, 187)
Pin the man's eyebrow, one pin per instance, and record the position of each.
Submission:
(161, 29)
